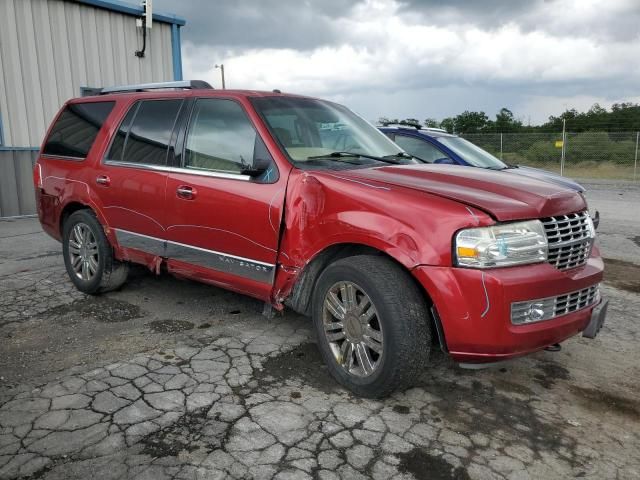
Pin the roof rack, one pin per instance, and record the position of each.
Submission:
(416, 126)
(141, 87)
(403, 125)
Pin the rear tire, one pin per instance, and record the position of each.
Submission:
(372, 325)
(88, 256)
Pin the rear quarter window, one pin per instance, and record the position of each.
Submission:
(145, 133)
(75, 130)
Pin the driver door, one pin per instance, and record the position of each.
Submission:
(222, 225)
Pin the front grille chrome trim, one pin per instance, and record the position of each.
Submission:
(570, 238)
(557, 306)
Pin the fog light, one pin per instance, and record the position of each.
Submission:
(536, 312)
(532, 311)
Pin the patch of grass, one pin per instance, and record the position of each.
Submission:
(589, 169)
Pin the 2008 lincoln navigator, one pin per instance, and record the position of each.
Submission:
(299, 202)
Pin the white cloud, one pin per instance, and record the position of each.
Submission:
(382, 51)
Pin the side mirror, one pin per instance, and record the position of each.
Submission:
(260, 165)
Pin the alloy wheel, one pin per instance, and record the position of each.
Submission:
(83, 252)
(352, 329)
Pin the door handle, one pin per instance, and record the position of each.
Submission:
(186, 192)
(103, 180)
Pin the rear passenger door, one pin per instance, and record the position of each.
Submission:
(223, 226)
(131, 180)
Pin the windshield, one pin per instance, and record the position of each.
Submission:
(319, 134)
(471, 153)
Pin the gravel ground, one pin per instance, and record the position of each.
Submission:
(172, 379)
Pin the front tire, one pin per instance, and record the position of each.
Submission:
(372, 325)
(88, 256)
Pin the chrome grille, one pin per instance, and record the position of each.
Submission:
(552, 307)
(570, 238)
(575, 301)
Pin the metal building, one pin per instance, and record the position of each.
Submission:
(50, 50)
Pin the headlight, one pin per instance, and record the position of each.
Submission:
(504, 245)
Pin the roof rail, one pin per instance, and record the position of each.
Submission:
(402, 125)
(141, 87)
(413, 125)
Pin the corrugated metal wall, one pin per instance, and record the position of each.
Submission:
(16, 182)
(51, 48)
(48, 50)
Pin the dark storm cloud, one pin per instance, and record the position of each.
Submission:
(383, 56)
(305, 25)
(300, 25)
(618, 22)
(486, 13)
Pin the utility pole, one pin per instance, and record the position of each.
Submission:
(635, 163)
(564, 141)
(221, 67)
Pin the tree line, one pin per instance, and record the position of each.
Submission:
(621, 117)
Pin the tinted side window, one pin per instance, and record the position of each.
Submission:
(420, 149)
(150, 132)
(76, 129)
(221, 137)
(117, 145)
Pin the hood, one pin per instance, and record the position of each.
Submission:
(503, 195)
(546, 175)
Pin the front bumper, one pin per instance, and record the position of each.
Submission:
(474, 307)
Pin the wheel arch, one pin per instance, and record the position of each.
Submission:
(108, 274)
(69, 209)
(300, 297)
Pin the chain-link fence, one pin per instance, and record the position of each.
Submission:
(590, 154)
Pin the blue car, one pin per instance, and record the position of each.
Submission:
(434, 145)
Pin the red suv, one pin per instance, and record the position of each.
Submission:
(300, 202)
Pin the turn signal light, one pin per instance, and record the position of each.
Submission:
(467, 252)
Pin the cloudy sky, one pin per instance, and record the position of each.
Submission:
(421, 58)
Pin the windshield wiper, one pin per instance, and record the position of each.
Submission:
(401, 155)
(407, 156)
(389, 158)
(385, 159)
(336, 155)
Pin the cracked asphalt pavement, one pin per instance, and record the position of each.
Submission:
(172, 379)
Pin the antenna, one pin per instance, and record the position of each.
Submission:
(145, 22)
(148, 12)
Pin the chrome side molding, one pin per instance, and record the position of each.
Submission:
(152, 245)
(221, 262)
